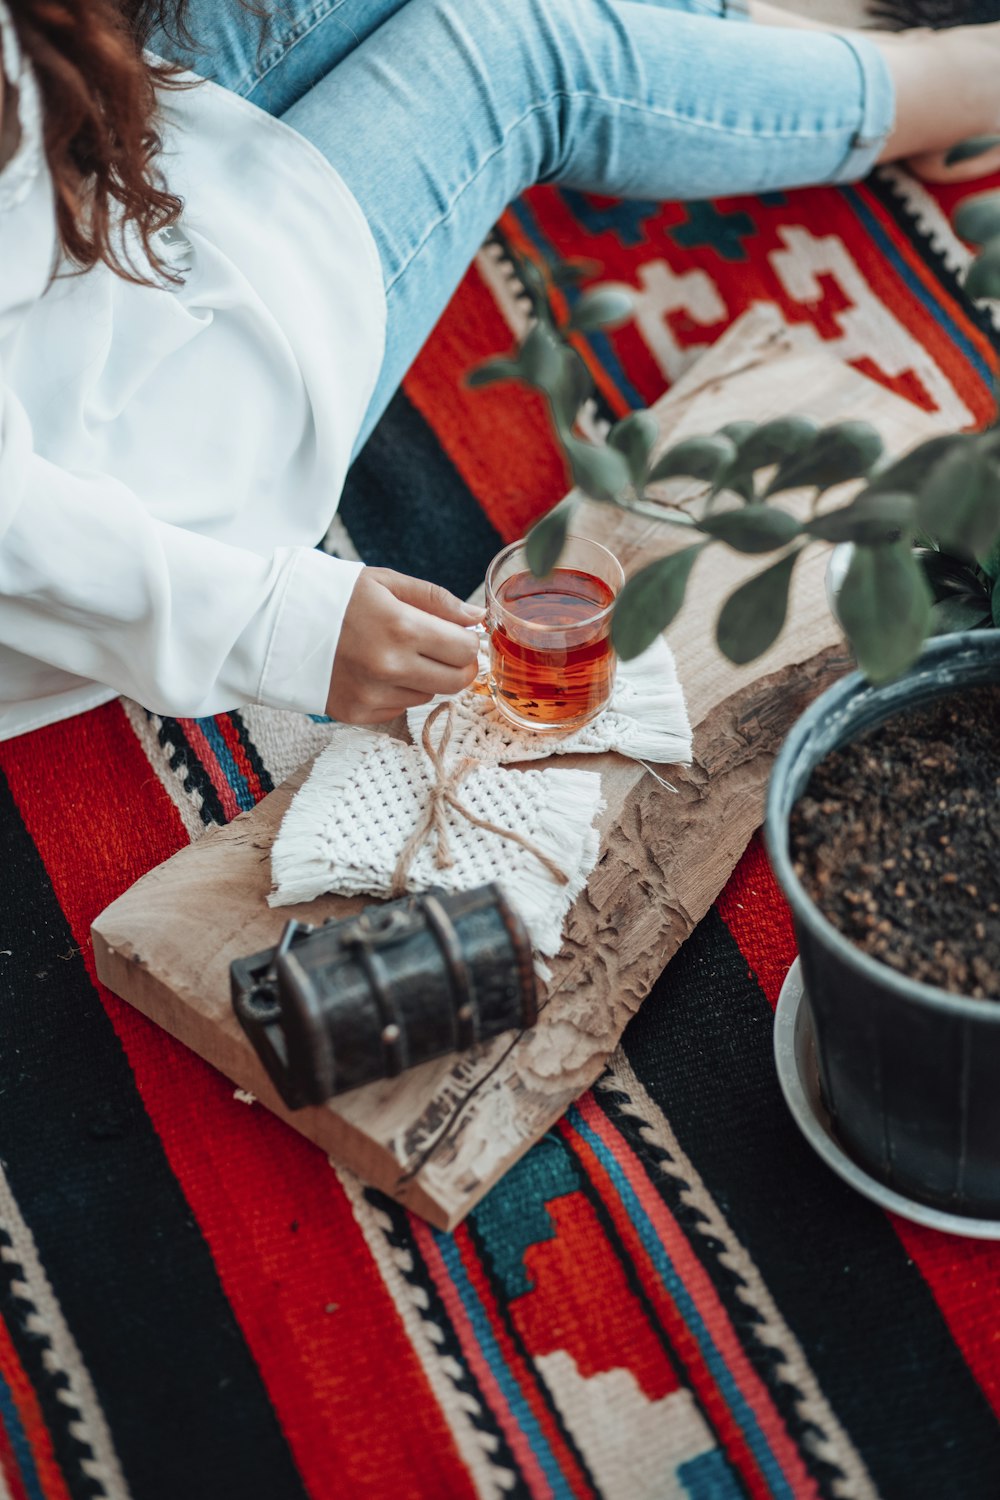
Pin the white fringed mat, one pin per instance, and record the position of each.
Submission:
(349, 822)
(646, 720)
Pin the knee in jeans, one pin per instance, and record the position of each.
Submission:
(540, 38)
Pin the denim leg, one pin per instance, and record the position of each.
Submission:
(456, 106)
(276, 62)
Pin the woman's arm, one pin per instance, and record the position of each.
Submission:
(92, 584)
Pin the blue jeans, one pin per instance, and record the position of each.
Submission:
(438, 113)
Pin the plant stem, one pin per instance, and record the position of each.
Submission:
(669, 515)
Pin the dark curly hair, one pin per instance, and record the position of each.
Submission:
(99, 102)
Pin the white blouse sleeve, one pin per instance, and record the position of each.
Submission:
(91, 583)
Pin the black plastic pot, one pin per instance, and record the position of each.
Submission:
(910, 1074)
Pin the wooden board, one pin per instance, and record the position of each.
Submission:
(438, 1137)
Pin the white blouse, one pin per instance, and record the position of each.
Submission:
(169, 457)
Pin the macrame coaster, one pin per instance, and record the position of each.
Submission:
(646, 720)
(378, 817)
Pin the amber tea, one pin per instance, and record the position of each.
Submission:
(551, 661)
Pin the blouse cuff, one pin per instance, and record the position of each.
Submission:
(299, 661)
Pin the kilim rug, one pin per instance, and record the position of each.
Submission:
(669, 1296)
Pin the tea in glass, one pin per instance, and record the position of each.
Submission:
(552, 665)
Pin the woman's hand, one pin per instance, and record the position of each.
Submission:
(402, 641)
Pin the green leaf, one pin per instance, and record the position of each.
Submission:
(884, 606)
(541, 358)
(600, 307)
(978, 219)
(775, 441)
(570, 391)
(959, 503)
(534, 283)
(756, 529)
(908, 473)
(738, 432)
(993, 425)
(846, 450)
(546, 539)
(569, 272)
(634, 437)
(694, 458)
(760, 447)
(533, 280)
(990, 562)
(959, 612)
(601, 473)
(983, 277)
(731, 477)
(492, 371)
(737, 484)
(974, 145)
(995, 602)
(650, 600)
(870, 518)
(751, 619)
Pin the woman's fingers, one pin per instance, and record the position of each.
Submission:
(453, 646)
(393, 654)
(429, 622)
(429, 598)
(432, 677)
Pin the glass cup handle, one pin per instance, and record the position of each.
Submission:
(483, 678)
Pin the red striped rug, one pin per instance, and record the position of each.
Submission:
(669, 1296)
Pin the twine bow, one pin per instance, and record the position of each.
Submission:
(444, 794)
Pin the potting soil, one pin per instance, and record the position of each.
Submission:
(895, 840)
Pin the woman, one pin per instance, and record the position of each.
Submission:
(178, 416)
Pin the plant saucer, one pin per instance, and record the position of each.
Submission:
(798, 1074)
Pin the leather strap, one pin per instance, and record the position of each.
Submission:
(463, 986)
(394, 1039)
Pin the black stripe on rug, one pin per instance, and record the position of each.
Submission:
(767, 1358)
(653, 1320)
(257, 765)
(881, 187)
(188, 1412)
(181, 758)
(447, 1348)
(49, 1381)
(876, 1340)
(407, 507)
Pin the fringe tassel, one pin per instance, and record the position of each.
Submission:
(659, 727)
(300, 868)
(301, 856)
(566, 832)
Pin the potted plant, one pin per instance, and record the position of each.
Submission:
(859, 801)
(908, 1068)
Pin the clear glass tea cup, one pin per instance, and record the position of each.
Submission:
(551, 662)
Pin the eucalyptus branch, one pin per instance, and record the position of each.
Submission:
(893, 595)
(665, 512)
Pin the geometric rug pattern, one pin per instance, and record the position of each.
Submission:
(669, 1295)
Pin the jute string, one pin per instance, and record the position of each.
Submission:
(444, 794)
